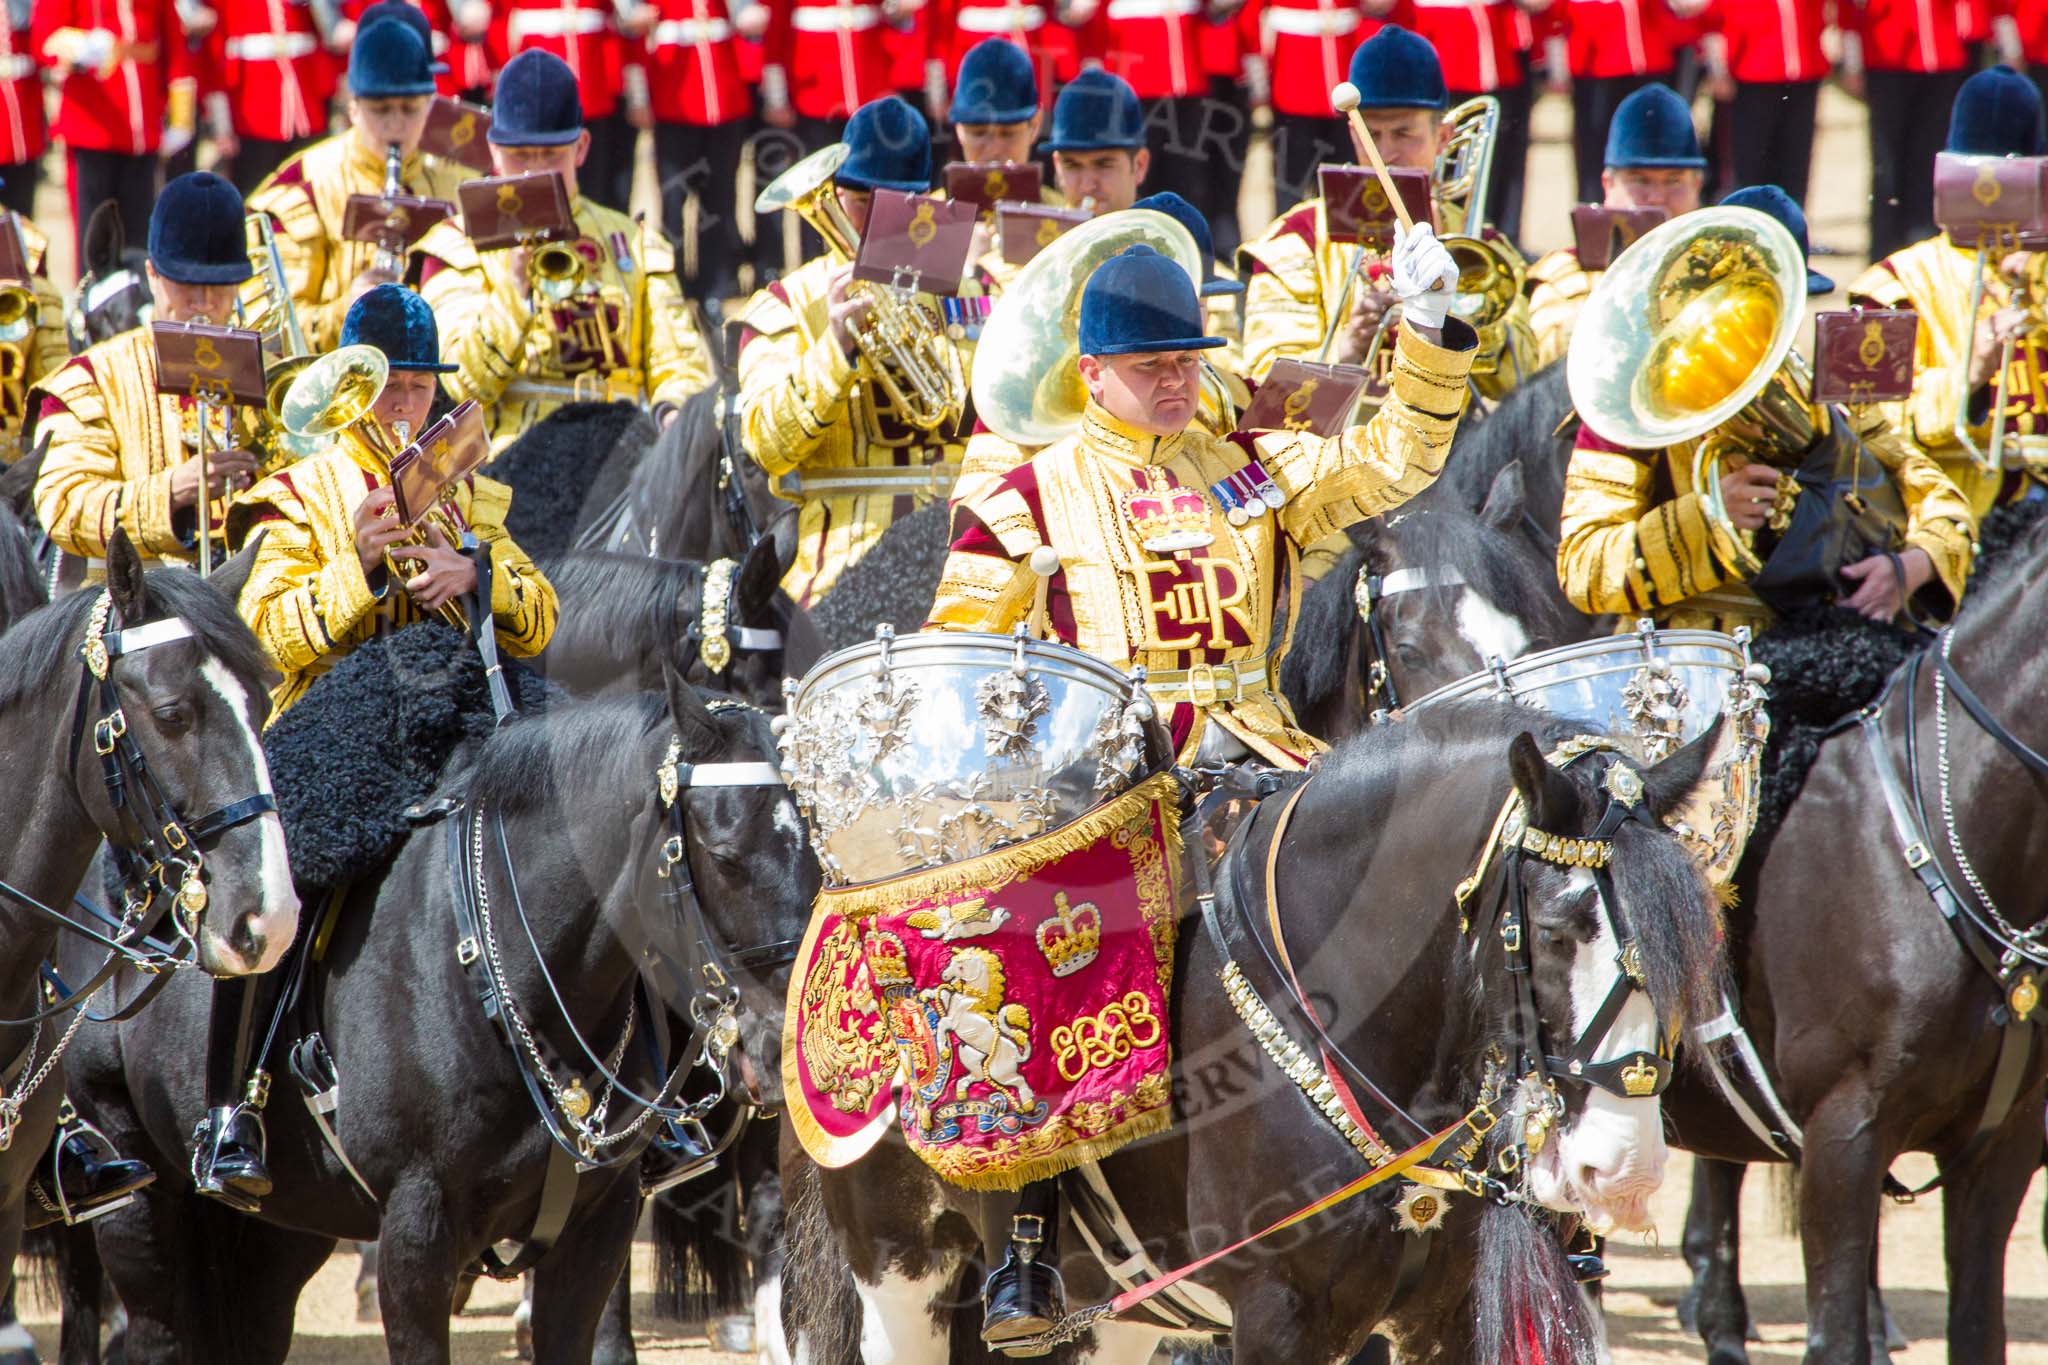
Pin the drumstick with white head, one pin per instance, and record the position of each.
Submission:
(1344, 98)
(1045, 562)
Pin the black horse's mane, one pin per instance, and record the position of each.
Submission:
(598, 746)
(569, 465)
(618, 595)
(894, 582)
(1669, 911)
(42, 647)
(1519, 428)
(21, 583)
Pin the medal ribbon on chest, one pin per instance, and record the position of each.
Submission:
(1249, 492)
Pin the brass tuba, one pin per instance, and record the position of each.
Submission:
(1690, 331)
(902, 340)
(330, 400)
(1026, 388)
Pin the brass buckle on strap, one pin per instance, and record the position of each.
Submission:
(107, 732)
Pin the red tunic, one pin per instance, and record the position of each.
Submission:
(1155, 45)
(1771, 40)
(23, 133)
(835, 53)
(1607, 38)
(693, 65)
(269, 60)
(121, 107)
(1054, 48)
(1478, 41)
(581, 32)
(1308, 45)
(1908, 35)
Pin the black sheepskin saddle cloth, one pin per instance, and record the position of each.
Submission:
(572, 462)
(1828, 663)
(373, 736)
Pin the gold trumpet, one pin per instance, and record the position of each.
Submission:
(277, 317)
(331, 400)
(557, 271)
(1690, 331)
(902, 341)
(1026, 387)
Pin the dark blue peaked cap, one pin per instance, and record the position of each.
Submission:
(1653, 127)
(1139, 300)
(196, 234)
(889, 147)
(1396, 69)
(537, 103)
(996, 84)
(389, 60)
(1096, 111)
(410, 15)
(1189, 217)
(397, 322)
(1771, 200)
(1997, 113)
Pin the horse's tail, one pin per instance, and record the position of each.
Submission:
(700, 1252)
(47, 1256)
(1527, 1307)
(821, 1305)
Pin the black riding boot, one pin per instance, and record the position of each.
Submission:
(82, 1176)
(1023, 1297)
(227, 1145)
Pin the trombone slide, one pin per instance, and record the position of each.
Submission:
(1960, 429)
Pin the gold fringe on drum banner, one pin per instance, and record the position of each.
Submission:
(1013, 1006)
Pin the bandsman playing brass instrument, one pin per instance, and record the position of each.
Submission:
(1296, 275)
(1653, 161)
(996, 117)
(615, 328)
(815, 408)
(391, 86)
(1646, 533)
(32, 341)
(1099, 157)
(1116, 540)
(121, 455)
(1997, 113)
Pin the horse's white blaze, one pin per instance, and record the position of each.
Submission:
(896, 1319)
(785, 820)
(1492, 633)
(276, 919)
(1610, 1160)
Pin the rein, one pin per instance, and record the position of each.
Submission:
(159, 854)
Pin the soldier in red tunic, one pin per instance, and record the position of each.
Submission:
(23, 133)
(1611, 48)
(1481, 44)
(1906, 58)
(274, 81)
(703, 113)
(125, 75)
(1308, 47)
(1765, 65)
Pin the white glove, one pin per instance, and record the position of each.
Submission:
(1425, 277)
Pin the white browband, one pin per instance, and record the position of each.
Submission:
(754, 638)
(1408, 580)
(138, 638)
(735, 775)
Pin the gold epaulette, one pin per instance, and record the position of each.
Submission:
(1561, 271)
(76, 386)
(1287, 255)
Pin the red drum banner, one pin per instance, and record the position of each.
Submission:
(1012, 1006)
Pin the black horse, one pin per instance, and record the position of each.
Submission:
(695, 495)
(1414, 990)
(113, 288)
(168, 687)
(437, 1113)
(1872, 1015)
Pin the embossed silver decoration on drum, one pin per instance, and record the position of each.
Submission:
(1656, 691)
(913, 752)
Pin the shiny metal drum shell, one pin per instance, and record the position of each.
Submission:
(912, 752)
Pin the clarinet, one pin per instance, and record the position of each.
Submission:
(389, 261)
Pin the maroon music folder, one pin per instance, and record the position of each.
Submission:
(1356, 207)
(1024, 230)
(1990, 201)
(220, 364)
(393, 222)
(455, 132)
(1306, 396)
(1599, 233)
(984, 184)
(1864, 355)
(446, 453)
(500, 212)
(916, 241)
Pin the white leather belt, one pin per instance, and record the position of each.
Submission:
(1449, 4)
(1207, 685)
(690, 32)
(1313, 23)
(17, 67)
(935, 479)
(272, 47)
(1000, 19)
(589, 387)
(835, 18)
(554, 23)
(1153, 9)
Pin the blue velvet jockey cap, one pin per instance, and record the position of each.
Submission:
(889, 147)
(397, 322)
(410, 15)
(537, 103)
(1138, 301)
(1769, 199)
(1996, 113)
(996, 84)
(196, 232)
(1396, 69)
(389, 60)
(1189, 217)
(1096, 111)
(1653, 127)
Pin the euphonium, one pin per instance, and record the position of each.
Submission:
(277, 317)
(1690, 332)
(330, 400)
(903, 341)
(1026, 387)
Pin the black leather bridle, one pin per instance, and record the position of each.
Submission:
(159, 853)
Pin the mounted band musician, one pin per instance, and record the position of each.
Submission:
(596, 315)
(1706, 489)
(1115, 540)
(335, 567)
